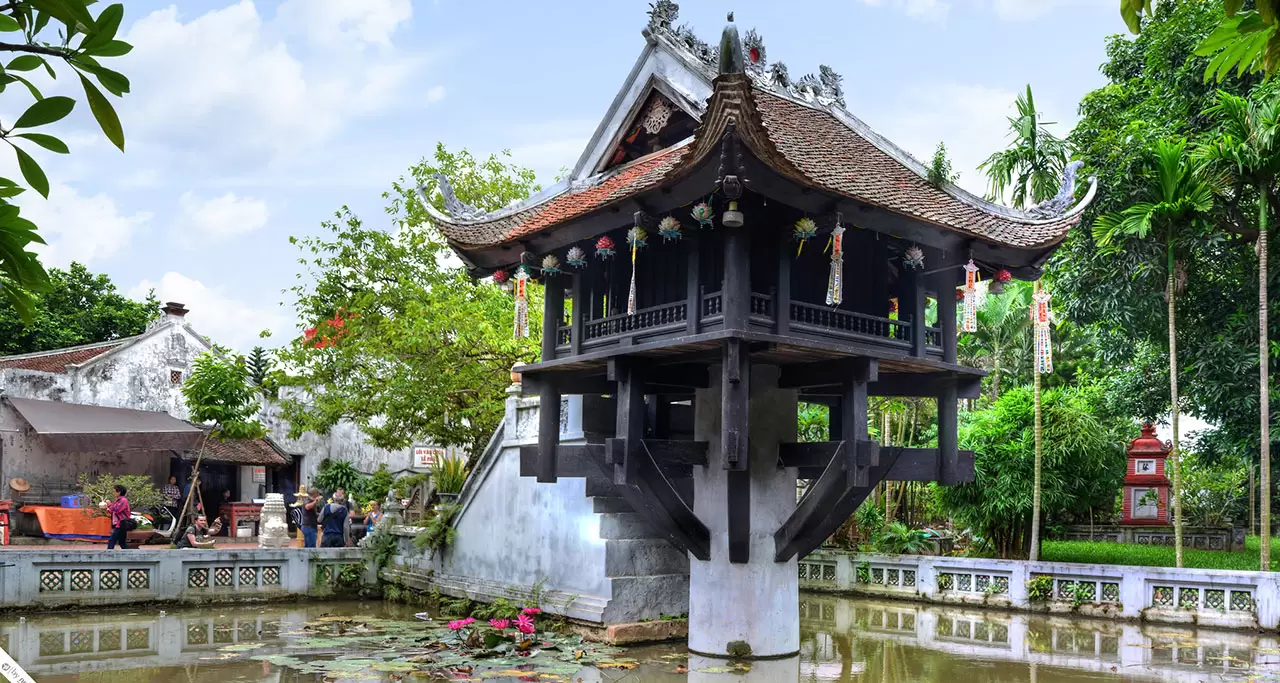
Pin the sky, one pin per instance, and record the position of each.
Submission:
(250, 122)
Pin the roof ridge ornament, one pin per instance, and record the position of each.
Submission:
(731, 61)
(457, 209)
(1059, 203)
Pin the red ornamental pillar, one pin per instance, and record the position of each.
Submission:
(1146, 485)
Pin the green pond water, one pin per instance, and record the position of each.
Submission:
(841, 640)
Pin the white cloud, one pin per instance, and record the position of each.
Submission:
(225, 320)
(228, 79)
(1030, 10)
(972, 120)
(338, 21)
(929, 10)
(221, 217)
(80, 228)
(435, 94)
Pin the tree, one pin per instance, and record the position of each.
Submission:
(1246, 149)
(1031, 167)
(258, 365)
(407, 345)
(1244, 40)
(1002, 344)
(1179, 197)
(49, 33)
(1083, 463)
(78, 307)
(218, 394)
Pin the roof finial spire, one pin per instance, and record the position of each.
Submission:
(730, 50)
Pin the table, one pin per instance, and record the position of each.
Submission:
(240, 512)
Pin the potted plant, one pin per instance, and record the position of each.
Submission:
(449, 474)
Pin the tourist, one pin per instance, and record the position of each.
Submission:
(371, 519)
(120, 513)
(172, 494)
(334, 518)
(310, 518)
(200, 534)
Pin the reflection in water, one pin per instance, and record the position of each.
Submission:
(842, 640)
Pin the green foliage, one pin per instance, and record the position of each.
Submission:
(1040, 588)
(51, 33)
(500, 608)
(377, 485)
(140, 490)
(424, 352)
(1099, 552)
(439, 532)
(332, 475)
(870, 519)
(1030, 169)
(259, 365)
(77, 308)
(899, 539)
(455, 607)
(449, 474)
(406, 484)
(812, 421)
(219, 392)
(940, 172)
(864, 572)
(379, 549)
(1083, 463)
(1214, 492)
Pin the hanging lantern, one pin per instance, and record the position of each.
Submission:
(503, 279)
(522, 302)
(913, 258)
(732, 217)
(669, 228)
(704, 214)
(1002, 277)
(550, 265)
(970, 297)
(804, 231)
(604, 248)
(893, 306)
(1041, 321)
(637, 238)
(835, 280)
(576, 257)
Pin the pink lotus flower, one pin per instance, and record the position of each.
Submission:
(456, 625)
(525, 624)
(531, 611)
(468, 621)
(500, 624)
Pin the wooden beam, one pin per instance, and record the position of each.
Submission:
(578, 460)
(548, 433)
(668, 452)
(948, 434)
(946, 282)
(736, 293)
(578, 315)
(782, 301)
(828, 372)
(911, 464)
(735, 396)
(921, 384)
(834, 500)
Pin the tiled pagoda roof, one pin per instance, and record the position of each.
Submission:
(57, 360)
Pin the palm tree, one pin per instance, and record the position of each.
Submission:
(1179, 197)
(1031, 167)
(1247, 150)
(20, 270)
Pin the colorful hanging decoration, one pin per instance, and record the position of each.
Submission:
(804, 231)
(1001, 278)
(893, 306)
(835, 281)
(913, 258)
(669, 228)
(605, 248)
(704, 214)
(1040, 321)
(522, 302)
(503, 279)
(970, 297)
(638, 239)
(576, 257)
(550, 265)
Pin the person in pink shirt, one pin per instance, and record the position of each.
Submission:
(120, 512)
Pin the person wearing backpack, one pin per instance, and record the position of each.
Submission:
(333, 518)
(121, 519)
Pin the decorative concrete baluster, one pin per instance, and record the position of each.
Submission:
(275, 530)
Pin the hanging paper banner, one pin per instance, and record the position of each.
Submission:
(1041, 321)
(522, 302)
(970, 297)
(804, 231)
(636, 237)
(835, 280)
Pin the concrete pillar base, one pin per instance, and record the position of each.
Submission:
(746, 610)
(704, 669)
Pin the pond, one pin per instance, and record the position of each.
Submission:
(842, 640)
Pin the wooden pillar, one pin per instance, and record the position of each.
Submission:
(737, 278)
(693, 292)
(548, 431)
(948, 434)
(782, 299)
(578, 314)
(736, 395)
(946, 282)
(911, 302)
(630, 422)
(552, 316)
(835, 430)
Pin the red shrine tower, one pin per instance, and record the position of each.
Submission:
(1146, 486)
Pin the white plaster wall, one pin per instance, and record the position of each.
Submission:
(46, 386)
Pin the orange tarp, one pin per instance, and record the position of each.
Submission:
(71, 524)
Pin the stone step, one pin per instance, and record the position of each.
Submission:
(599, 487)
(638, 598)
(605, 504)
(643, 557)
(625, 525)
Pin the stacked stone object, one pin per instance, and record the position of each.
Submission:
(275, 530)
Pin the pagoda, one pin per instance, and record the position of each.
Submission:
(733, 240)
(1146, 486)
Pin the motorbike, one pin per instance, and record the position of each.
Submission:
(163, 523)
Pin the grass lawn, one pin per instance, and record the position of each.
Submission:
(1156, 556)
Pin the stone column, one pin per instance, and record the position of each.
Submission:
(757, 602)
